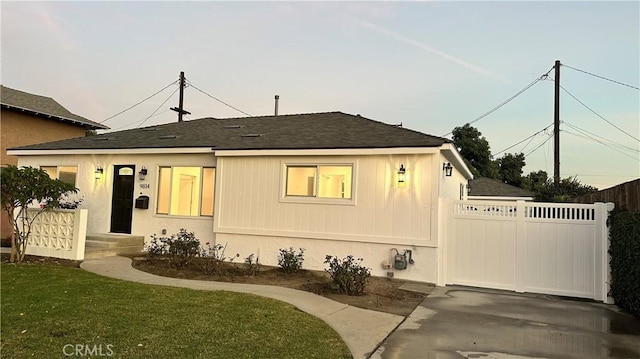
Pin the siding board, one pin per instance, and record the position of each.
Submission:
(381, 209)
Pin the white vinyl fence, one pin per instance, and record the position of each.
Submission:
(550, 248)
(59, 233)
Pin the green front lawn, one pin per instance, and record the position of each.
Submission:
(45, 308)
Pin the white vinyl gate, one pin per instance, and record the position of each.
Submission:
(549, 248)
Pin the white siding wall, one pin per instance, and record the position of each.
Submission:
(251, 214)
(97, 193)
(450, 186)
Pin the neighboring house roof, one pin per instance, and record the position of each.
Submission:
(329, 130)
(43, 106)
(487, 187)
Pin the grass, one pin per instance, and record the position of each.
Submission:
(46, 307)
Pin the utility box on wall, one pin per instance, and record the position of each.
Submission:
(142, 202)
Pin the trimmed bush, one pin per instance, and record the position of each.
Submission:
(181, 248)
(348, 275)
(290, 261)
(625, 260)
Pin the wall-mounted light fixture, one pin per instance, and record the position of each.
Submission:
(143, 173)
(447, 168)
(402, 176)
(98, 173)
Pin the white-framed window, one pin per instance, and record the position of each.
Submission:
(331, 181)
(65, 174)
(186, 191)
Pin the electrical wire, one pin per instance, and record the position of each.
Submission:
(129, 108)
(601, 77)
(540, 145)
(543, 77)
(530, 137)
(153, 114)
(217, 99)
(602, 138)
(157, 108)
(602, 143)
(595, 113)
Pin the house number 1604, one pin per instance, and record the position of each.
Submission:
(144, 185)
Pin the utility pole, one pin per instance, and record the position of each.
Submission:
(556, 125)
(179, 109)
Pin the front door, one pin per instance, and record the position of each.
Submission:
(122, 200)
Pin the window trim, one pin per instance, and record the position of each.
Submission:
(199, 215)
(284, 198)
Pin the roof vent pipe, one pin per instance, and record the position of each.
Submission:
(276, 109)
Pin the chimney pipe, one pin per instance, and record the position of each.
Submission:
(276, 110)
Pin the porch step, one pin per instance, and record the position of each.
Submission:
(106, 244)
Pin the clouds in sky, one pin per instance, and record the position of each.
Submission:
(407, 40)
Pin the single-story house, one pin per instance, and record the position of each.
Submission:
(495, 190)
(332, 183)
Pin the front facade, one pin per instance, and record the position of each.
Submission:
(27, 119)
(260, 184)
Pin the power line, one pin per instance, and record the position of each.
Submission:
(157, 108)
(530, 137)
(602, 143)
(127, 109)
(540, 145)
(217, 99)
(582, 130)
(153, 114)
(543, 77)
(595, 113)
(602, 77)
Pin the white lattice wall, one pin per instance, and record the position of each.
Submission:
(59, 234)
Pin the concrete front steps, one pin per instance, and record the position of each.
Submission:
(100, 245)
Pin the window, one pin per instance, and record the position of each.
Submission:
(186, 191)
(321, 181)
(65, 174)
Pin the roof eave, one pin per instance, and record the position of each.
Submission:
(86, 125)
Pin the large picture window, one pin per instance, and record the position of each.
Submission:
(321, 181)
(186, 191)
(65, 174)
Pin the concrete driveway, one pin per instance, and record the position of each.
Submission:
(459, 322)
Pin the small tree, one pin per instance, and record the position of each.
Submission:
(21, 187)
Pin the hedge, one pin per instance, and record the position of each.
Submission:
(625, 260)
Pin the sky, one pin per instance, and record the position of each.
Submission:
(431, 65)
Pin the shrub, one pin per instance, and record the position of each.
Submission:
(181, 248)
(348, 275)
(251, 266)
(290, 261)
(214, 259)
(156, 249)
(625, 260)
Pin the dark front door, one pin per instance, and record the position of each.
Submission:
(122, 201)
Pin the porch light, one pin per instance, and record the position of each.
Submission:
(447, 168)
(98, 173)
(402, 177)
(143, 173)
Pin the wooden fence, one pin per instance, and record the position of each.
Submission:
(626, 196)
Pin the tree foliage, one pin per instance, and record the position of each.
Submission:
(474, 148)
(24, 187)
(510, 169)
(564, 191)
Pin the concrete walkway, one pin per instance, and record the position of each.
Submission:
(363, 330)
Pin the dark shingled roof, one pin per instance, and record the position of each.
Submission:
(43, 106)
(489, 187)
(303, 131)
